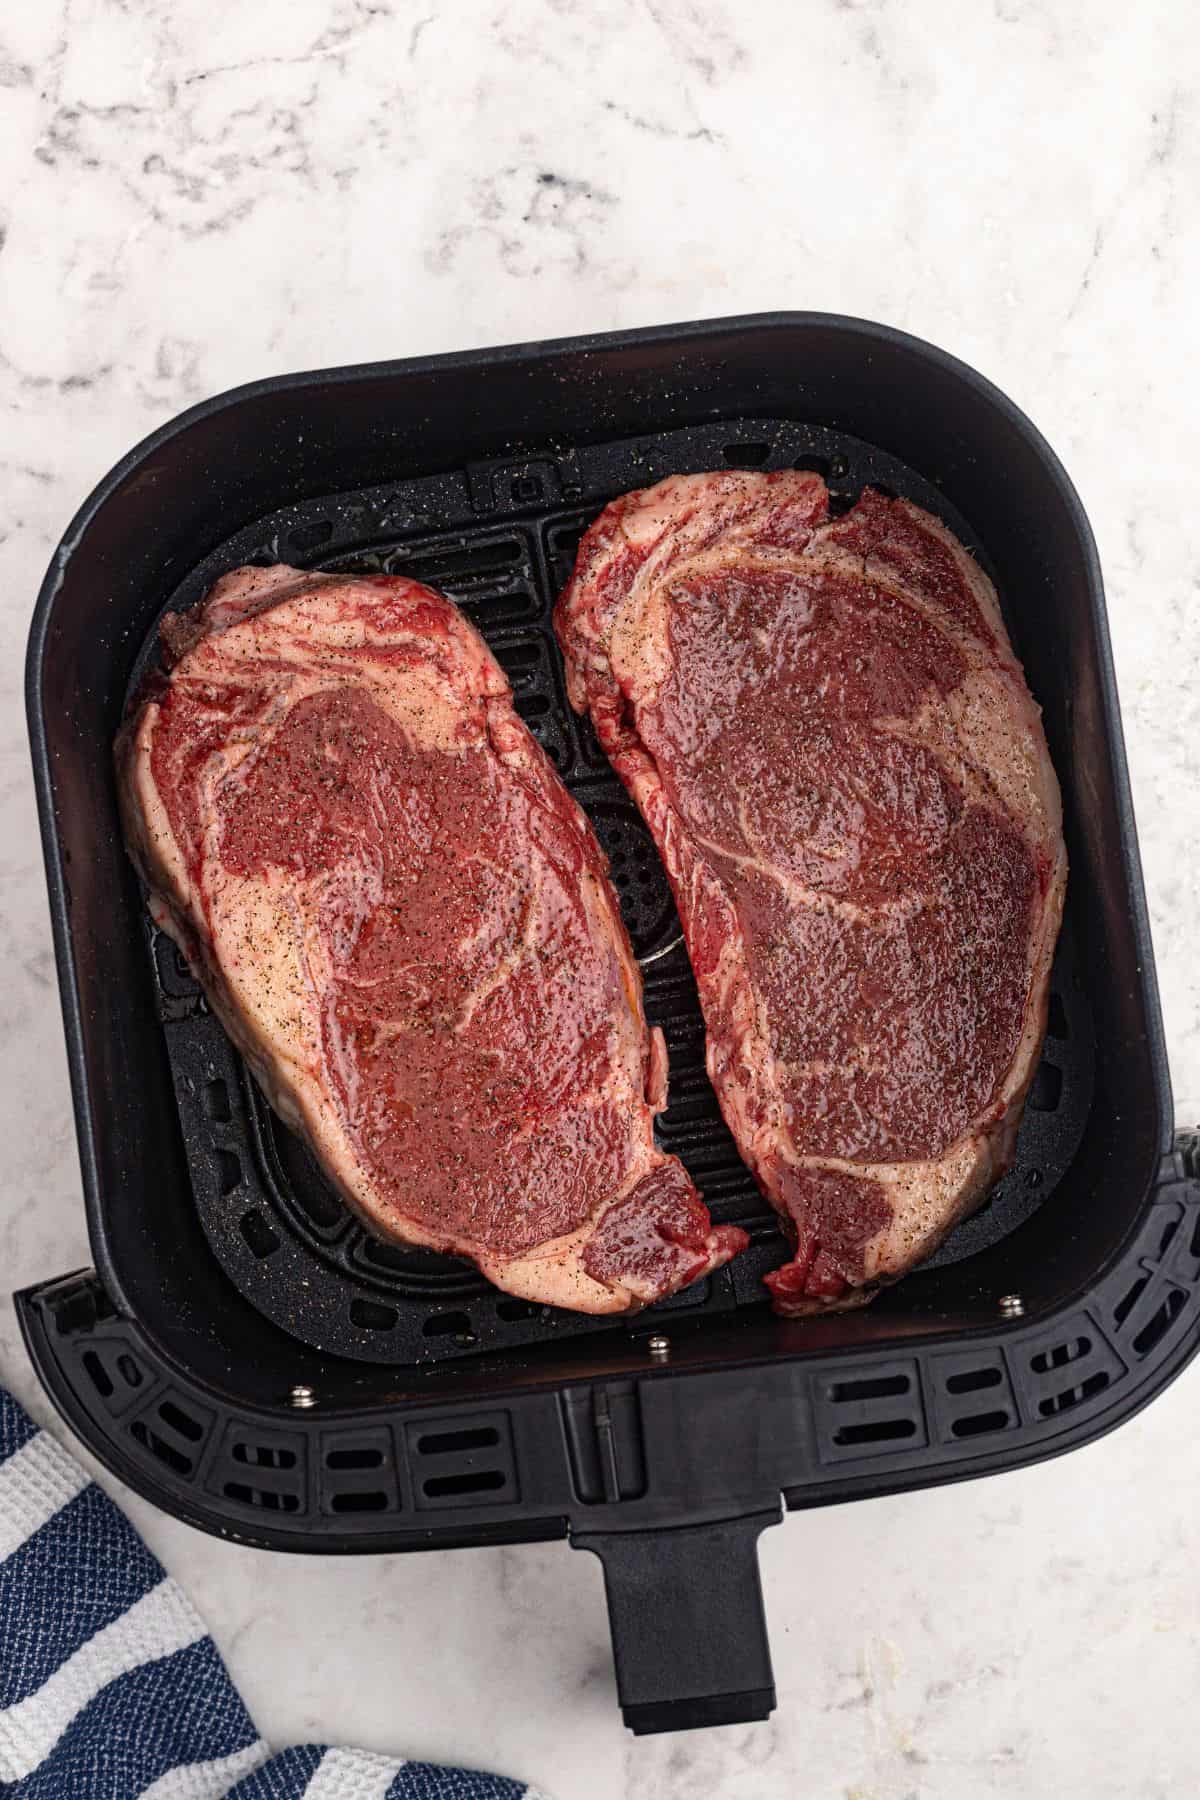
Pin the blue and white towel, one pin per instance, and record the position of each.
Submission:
(110, 1687)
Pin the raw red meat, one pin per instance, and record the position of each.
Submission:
(406, 925)
(827, 732)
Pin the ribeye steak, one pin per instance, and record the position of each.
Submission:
(406, 925)
(825, 727)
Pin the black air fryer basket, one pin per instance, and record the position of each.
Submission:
(246, 1357)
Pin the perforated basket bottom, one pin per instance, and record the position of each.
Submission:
(500, 538)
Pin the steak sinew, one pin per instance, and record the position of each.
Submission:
(825, 727)
(406, 926)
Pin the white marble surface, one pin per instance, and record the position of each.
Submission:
(196, 194)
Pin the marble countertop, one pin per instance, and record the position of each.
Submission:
(199, 195)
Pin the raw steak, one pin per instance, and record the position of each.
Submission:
(406, 926)
(830, 738)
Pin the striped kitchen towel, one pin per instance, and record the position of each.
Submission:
(110, 1688)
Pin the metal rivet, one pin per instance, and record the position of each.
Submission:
(1012, 1306)
(302, 1396)
(659, 1346)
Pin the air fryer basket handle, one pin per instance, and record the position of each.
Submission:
(688, 1631)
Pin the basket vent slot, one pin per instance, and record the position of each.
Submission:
(173, 1434)
(492, 581)
(1129, 1299)
(259, 1234)
(445, 1443)
(357, 1473)
(972, 1395)
(1165, 1260)
(105, 1386)
(1151, 1304)
(536, 693)
(746, 456)
(229, 1170)
(973, 1381)
(875, 1431)
(563, 540)
(259, 1467)
(371, 1315)
(1066, 1398)
(513, 1312)
(879, 1388)
(520, 662)
(977, 1424)
(461, 569)
(367, 1457)
(469, 1481)
(266, 1499)
(1160, 1322)
(1059, 1355)
(113, 1372)
(264, 1456)
(161, 1448)
(562, 547)
(463, 1461)
(216, 1101)
(182, 1422)
(1069, 1370)
(374, 1500)
(874, 1413)
(448, 1324)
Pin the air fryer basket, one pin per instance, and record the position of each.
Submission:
(279, 1232)
(249, 1358)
